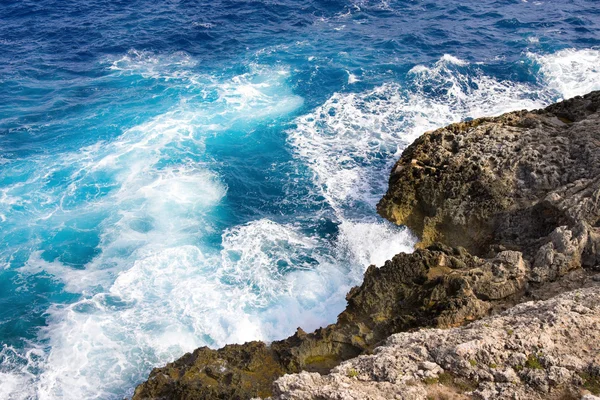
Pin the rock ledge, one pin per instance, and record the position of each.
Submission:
(537, 350)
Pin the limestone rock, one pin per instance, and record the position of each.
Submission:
(536, 350)
(232, 372)
(507, 210)
(506, 182)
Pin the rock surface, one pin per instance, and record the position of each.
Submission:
(536, 350)
(526, 181)
(434, 287)
(513, 199)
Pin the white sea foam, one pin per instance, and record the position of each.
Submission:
(206, 25)
(154, 293)
(10, 385)
(18, 383)
(570, 72)
(342, 137)
(461, 94)
(373, 243)
(350, 141)
(152, 206)
(152, 65)
(161, 307)
(352, 78)
(260, 254)
(448, 58)
(301, 280)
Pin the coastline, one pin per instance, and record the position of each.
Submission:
(505, 209)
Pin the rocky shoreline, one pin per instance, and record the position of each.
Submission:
(507, 211)
(536, 350)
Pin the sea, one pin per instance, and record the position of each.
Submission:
(186, 173)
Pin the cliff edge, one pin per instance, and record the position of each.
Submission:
(545, 350)
(507, 211)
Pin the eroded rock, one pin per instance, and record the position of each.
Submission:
(514, 200)
(506, 182)
(536, 350)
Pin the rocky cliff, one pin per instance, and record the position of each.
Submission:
(507, 211)
(523, 181)
(537, 350)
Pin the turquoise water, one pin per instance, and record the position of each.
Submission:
(186, 173)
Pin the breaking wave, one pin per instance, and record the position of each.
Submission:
(132, 219)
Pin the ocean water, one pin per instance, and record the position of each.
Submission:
(185, 173)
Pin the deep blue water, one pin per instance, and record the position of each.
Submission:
(185, 173)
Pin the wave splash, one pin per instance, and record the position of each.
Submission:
(570, 72)
(156, 290)
(144, 199)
